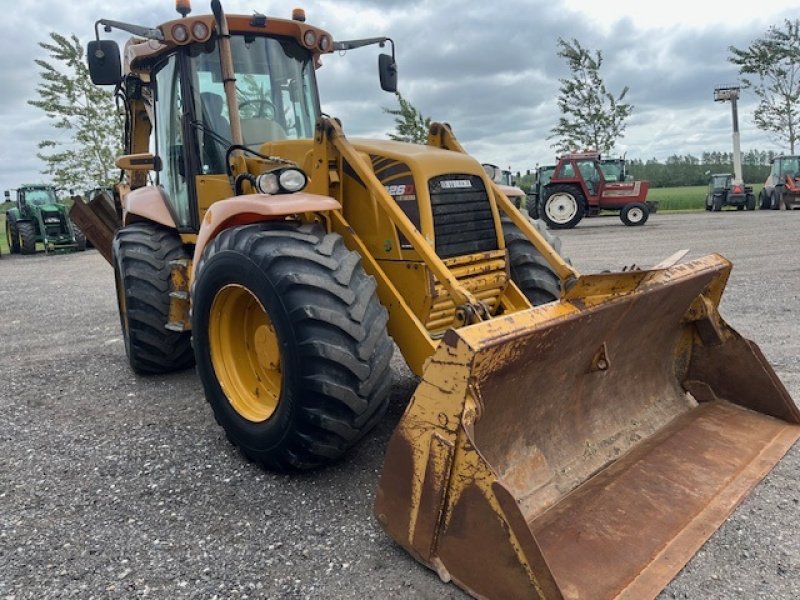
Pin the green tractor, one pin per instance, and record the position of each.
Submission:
(39, 216)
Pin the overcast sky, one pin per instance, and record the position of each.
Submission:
(490, 69)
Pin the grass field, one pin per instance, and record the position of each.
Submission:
(684, 198)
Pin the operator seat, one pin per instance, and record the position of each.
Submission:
(214, 150)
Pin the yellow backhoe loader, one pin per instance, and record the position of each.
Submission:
(572, 436)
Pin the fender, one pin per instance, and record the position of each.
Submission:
(254, 208)
(149, 203)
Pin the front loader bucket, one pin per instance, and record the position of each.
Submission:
(585, 448)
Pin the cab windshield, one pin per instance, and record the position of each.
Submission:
(612, 170)
(275, 89)
(41, 196)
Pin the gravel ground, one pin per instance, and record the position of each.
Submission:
(113, 485)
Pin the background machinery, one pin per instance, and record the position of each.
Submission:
(731, 191)
(541, 177)
(568, 430)
(39, 216)
(503, 178)
(782, 187)
(722, 191)
(578, 187)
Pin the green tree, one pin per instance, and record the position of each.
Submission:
(410, 125)
(85, 112)
(770, 67)
(591, 116)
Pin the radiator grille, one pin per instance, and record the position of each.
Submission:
(462, 215)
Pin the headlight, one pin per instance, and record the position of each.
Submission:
(200, 31)
(180, 33)
(325, 43)
(281, 180)
(310, 38)
(292, 180)
(267, 183)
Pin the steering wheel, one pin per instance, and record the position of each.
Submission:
(266, 109)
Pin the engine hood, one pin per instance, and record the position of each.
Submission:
(425, 161)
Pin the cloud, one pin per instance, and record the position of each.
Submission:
(491, 70)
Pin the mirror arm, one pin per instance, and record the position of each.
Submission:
(352, 44)
(141, 31)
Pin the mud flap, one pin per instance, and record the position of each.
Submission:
(586, 448)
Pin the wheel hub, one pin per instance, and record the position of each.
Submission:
(245, 353)
(561, 208)
(635, 215)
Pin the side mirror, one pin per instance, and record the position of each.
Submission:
(387, 69)
(104, 62)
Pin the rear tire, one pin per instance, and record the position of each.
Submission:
(529, 270)
(563, 207)
(763, 199)
(27, 237)
(751, 202)
(533, 207)
(716, 203)
(80, 238)
(327, 346)
(707, 204)
(634, 214)
(12, 234)
(142, 253)
(774, 201)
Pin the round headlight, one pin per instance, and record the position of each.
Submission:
(267, 183)
(200, 31)
(325, 43)
(310, 38)
(292, 180)
(180, 34)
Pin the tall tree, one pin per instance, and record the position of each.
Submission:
(410, 125)
(770, 66)
(85, 112)
(591, 116)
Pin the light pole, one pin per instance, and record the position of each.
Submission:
(725, 93)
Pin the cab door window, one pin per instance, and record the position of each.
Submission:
(169, 140)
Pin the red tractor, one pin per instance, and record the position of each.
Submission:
(579, 188)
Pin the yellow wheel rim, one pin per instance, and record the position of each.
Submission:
(245, 353)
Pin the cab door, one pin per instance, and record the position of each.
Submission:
(175, 143)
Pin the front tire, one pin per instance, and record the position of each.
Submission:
(774, 201)
(529, 269)
(27, 237)
(716, 203)
(634, 214)
(12, 234)
(142, 253)
(291, 343)
(763, 199)
(563, 207)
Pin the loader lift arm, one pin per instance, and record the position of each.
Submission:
(440, 135)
